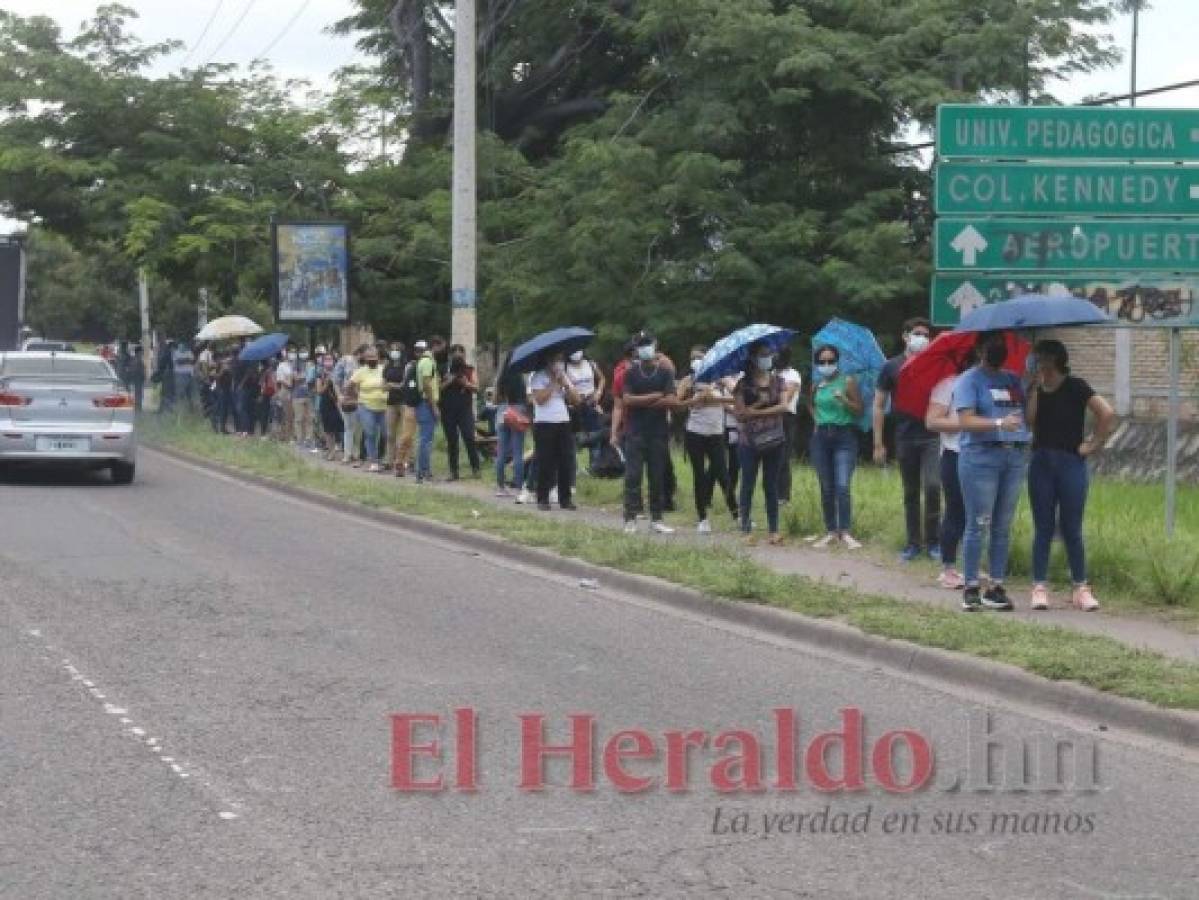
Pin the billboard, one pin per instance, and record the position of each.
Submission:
(311, 271)
(12, 293)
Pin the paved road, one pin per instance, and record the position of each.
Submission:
(197, 684)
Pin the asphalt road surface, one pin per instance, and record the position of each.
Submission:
(197, 680)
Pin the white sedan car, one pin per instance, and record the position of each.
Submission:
(66, 408)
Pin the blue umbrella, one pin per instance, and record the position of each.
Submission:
(263, 348)
(861, 357)
(528, 355)
(1033, 311)
(730, 354)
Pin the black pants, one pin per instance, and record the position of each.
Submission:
(554, 445)
(735, 468)
(458, 423)
(708, 455)
(791, 430)
(645, 452)
(920, 466)
(670, 484)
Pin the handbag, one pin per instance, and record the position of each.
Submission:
(766, 433)
(349, 400)
(516, 420)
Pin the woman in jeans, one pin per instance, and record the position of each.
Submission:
(705, 441)
(761, 401)
(994, 460)
(553, 395)
(1058, 479)
(372, 404)
(836, 408)
(510, 394)
(943, 419)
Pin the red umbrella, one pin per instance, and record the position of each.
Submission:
(942, 358)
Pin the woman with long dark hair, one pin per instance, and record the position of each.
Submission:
(836, 406)
(704, 440)
(942, 418)
(761, 402)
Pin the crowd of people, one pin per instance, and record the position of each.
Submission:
(989, 434)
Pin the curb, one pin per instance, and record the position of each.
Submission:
(1107, 710)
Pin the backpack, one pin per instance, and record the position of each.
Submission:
(410, 394)
(608, 463)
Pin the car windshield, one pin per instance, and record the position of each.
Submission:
(55, 367)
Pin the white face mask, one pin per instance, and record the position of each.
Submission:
(827, 370)
(765, 363)
(917, 342)
(293, 356)
(577, 356)
(646, 352)
(696, 365)
(303, 356)
(395, 355)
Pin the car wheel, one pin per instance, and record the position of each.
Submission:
(122, 473)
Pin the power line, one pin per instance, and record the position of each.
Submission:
(1100, 101)
(286, 28)
(232, 31)
(203, 34)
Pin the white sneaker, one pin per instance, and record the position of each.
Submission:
(825, 542)
(704, 527)
(661, 528)
(524, 496)
(850, 543)
(630, 527)
(553, 495)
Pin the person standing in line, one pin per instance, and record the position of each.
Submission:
(836, 407)
(285, 374)
(343, 370)
(553, 394)
(704, 440)
(794, 383)
(411, 399)
(916, 448)
(459, 388)
(135, 374)
(332, 424)
(184, 362)
(512, 403)
(245, 375)
(428, 412)
(732, 436)
(761, 402)
(648, 394)
(393, 379)
(1058, 479)
(990, 404)
(223, 407)
(589, 384)
(164, 377)
(301, 404)
(267, 385)
(372, 404)
(942, 418)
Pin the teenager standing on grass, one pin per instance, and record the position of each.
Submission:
(704, 440)
(1058, 479)
(836, 407)
(993, 463)
(942, 418)
(553, 395)
(762, 400)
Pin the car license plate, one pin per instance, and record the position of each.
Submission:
(61, 445)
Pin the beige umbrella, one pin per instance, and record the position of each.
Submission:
(227, 327)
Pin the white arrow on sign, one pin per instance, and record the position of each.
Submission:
(967, 298)
(969, 243)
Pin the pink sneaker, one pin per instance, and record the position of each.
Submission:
(1040, 597)
(951, 579)
(1084, 599)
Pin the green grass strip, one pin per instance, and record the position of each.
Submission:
(726, 573)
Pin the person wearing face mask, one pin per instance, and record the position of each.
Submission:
(704, 440)
(343, 370)
(393, 377)
(372, 404)
(332, 424)
(284, 376)
(917, 450)
(1058, 479)
(459, 387)
(991, 467)
(648, 393)
(794, 382)
(553, 394)
(836, 406)
(762, 400)
(589, 384)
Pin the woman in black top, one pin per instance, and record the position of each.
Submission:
(1058, 403)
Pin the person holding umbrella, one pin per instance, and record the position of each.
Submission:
(837, 405)
(1058, 403)
(990, 403)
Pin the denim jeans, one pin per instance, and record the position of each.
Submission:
(834, 453)
(1057, 491)
(351, 435)
(992, 478)
(771, 463)
(953, 524)
(372, 429)
(919, 467)
(509, 443)
(426, 421)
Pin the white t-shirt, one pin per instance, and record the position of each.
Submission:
(284, 374)
(943, 396)
(792, 379)
(707, 420)
(582, 376)
(554, 409)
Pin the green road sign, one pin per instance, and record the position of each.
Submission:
(1067, 132)
(1052, 245)
(1163, 301)
(1067, 190)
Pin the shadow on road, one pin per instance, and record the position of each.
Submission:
(43, 475)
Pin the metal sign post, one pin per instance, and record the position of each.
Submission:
(1172, 428)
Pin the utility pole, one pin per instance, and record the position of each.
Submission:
(1123, 391)
(464, 261)
(143, 293)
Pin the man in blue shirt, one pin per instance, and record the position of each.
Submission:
(994, 460)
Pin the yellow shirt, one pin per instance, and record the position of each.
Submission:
(371, 392)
